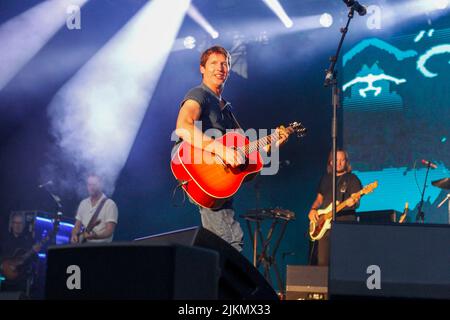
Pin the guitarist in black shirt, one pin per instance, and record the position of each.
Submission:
(348, 184)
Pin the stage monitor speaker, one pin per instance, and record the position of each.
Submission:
(131, 271)
(239, 279)
(389, 261)
(306, 282)
(377, 217)
(12, 295)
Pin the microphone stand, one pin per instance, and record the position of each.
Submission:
(420, 217)
(58, 216)
(331, 79)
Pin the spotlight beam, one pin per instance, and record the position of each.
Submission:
(24, 35)
(276, 7)
(202, 22)
(97, 114)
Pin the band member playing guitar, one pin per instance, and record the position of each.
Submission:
(348, 187)
(17, 254)
(97, 215)
(204, 104)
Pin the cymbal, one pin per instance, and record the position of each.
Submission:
(442, 183)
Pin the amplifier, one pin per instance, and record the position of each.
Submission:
(389, 261)
(306, 282)
(378, 216)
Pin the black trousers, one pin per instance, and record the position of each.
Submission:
(320, 250)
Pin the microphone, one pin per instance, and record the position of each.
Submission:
(429, 163)
(355, 5)
(48, 183)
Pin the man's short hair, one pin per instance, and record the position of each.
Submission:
(217, 50)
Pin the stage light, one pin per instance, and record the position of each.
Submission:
(326, 20)
(440, 4)
(24, 35)
(202, 22)
(96, 115)
(276, 7)
(189, 42)
(214, 34)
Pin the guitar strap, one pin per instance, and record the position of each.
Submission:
(94, 217)
(238, 126)
(228, 108)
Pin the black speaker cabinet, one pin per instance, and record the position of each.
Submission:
(11, 295)
(377, 216)
(306, 282)
(390, 261)
(239, 279)
(131, 271)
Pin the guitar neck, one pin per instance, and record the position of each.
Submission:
(261, 143)
(30, 252)
(342, 205)
(44, 240)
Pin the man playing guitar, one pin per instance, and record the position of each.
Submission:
(347, 189)
(204, 104)
(16, 243)
(97, 215)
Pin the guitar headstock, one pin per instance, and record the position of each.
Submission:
(369, 188)
(298, 128)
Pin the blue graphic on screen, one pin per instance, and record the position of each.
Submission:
(378, 96)
(404, 181)
(396, 97)
(445, 48)
(380, 44)
(419, 36)
(370, 79)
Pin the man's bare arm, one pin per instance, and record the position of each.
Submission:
(108, 232)
(186, 130)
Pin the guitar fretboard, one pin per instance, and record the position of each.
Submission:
(259, 144)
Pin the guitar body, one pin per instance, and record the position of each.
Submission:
(318, 230)
(205, 178)
(11, 267)
(85, 231)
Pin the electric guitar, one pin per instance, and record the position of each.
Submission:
(319, 228)
(207, 180)
(85, 231)
(13, 267)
